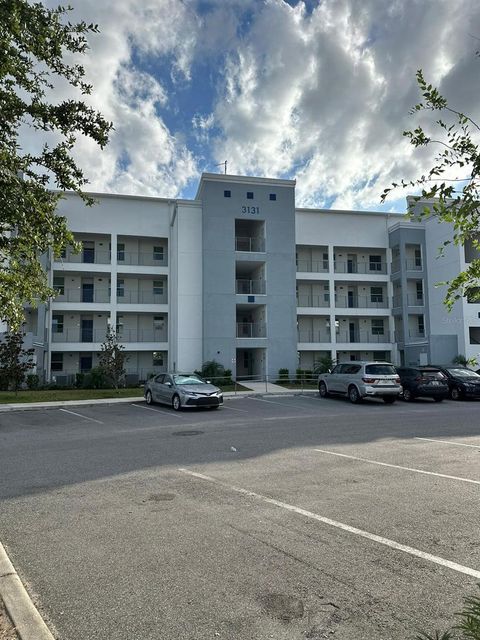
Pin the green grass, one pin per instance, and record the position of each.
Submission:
(46, 395)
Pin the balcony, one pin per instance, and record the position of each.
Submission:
(141, 297)
(312, 266)
(78, 334)
(84, 295)
(359, 302)
(251, 330)
(363, 336)
(410, 265)
(413, 337)
(348, 266)
(142, 259)
(250, 287)
(86, 256)
(307, 300)
(250, 244)
(317, 335)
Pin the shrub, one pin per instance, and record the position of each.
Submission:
(323, 365)
(33, 381)
(79, 378)
(216, 372)
(283, 376)
(95, 379)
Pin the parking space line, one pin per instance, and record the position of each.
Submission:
(282, 404)
(456, 444)
(81, 416)
(340, 525)
(234, 409)
(140, 406)
(396, 466)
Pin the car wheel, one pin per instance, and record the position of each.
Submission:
(438, 399)
(389, 399)
(455, 393)
(148, 397)
(353, 394)
(176, 404)
(407, 395)
(322, 390)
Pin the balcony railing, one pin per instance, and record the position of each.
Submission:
(251, 330)
(87, 257)
(360, 267)
(413, 336)
(141, 297)
(142, 335)
(78, 334)
(363, 336)
(84, 295)
(312, 266)
(412, 301)
(307, 300)
(142, 258)
(360, 302)
(317, 335)
(410, 265)
(250, 244)
(250, 287)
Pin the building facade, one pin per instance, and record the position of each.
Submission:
(241, 276)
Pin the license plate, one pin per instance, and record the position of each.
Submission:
(384, 382)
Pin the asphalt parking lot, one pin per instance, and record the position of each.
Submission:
(273, 517)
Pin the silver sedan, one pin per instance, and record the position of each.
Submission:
(182, 391)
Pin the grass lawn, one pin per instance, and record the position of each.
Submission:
(45, 395)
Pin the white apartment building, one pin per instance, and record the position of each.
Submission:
(241, 276)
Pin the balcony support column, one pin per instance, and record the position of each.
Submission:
(112, 320)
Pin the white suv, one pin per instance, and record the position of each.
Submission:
(359, 380)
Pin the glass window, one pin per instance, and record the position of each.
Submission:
(249, 195)
(158, 287)
(325, 261)
(57, 323)
(380, 369)
(119, 325)
(57, 362)
(376, 294)
(121, 251)
(378, 328)
(273, 196)
(419, 288)
(418, 258)
(421, 325)
(59, 285)
(375, 263)
(158, 323)
(227, 193)
(120, 288)
(157, 359)
(158, 253)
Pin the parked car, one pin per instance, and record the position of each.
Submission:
(182, 391)
(423, 382)
(462, 382)
(358, 380)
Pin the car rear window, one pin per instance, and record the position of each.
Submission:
(380, 370)
(432, 375)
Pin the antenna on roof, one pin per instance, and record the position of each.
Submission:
(223, 164)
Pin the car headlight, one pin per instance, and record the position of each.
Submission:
(192, 394)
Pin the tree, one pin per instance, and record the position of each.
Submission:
(452, 185)
(15, 361)
(113, 359)
(34, 41)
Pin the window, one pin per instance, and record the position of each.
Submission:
(421, 326)
(376, 294)
(57, 362)
(249, 195)
(158, 323)
(120, 288)
(473, 295)
(120, 251)
(57, 323)
(119, 325)
(326, 296)
(325, 261)
(377, 327)
(273, 196)
(375, 263)
(158, 287)
(157, 359)
(418, 258)
(158, 253)
(227, 193)
(419, 288)
(59, 285)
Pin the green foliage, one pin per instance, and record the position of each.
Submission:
(323, 365)
(452, 185)
(34, 41)
(79, 378)
(469, 624)
(216, 373)
(113, 359)
(283, 376)
(15, 361)
(33, 381)
(95, 379)
(465, 362)
(303, 375)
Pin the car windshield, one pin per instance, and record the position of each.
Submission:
(380, 370)
(463, 373)
(187, 379)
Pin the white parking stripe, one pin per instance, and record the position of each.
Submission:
(81, 416)
(344, 527)
(456, 444)
(168, 413)
(234, 408)
(282, 404)
(396, 466)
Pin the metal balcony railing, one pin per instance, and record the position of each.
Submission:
(312, 266)
(347, 266)
(307, 300)
(249, 287)
(84, 295)
(251, 330)
(86, 257)
(78, 334)
(361, 302)
(317, 335)
(414, 265)
(413, 336)
(141, 297)
(142, 335)
(412, 301)
(363, 336)
(142, 258)
(250, 244)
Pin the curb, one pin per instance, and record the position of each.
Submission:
(28, 623)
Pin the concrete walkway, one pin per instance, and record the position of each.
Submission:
(266, 387)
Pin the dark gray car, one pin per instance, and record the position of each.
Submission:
(182, 391)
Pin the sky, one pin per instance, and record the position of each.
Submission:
(313, 90)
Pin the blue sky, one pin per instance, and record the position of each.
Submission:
(316, 91)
